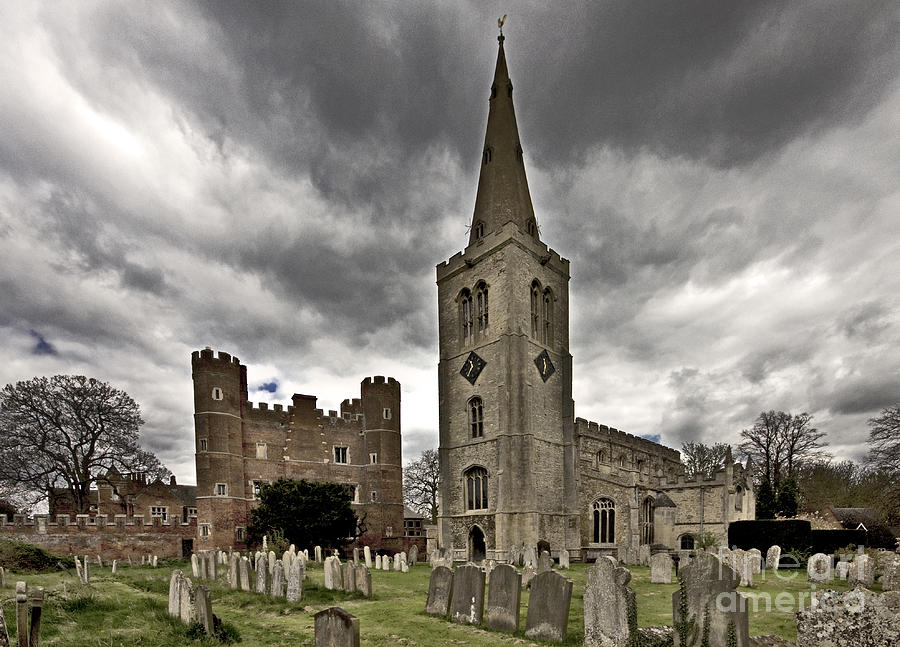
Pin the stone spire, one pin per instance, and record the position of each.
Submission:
(502, 187)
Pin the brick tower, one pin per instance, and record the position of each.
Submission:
(505, 373)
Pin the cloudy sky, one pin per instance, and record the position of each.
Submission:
(278, 181)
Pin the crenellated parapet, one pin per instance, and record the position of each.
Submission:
(624, 440)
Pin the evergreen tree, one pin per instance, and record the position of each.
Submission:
(766, 505)
(787, 498)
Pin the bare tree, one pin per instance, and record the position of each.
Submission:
(64, 431)
(779, 442)
(421, 484)
(703, 461)
(884, 439)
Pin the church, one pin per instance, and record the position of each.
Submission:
(517, 467)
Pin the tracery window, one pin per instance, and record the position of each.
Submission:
(481, 301)
(535, 309)
(548, 317)
(465, 316)
(476, 417)
(604, 521)
(647, 521)
(476, 489)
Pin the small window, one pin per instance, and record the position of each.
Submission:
(412, 527)
(204, 530)
(476, 417)
(257, 487)
(387, 413)
(530, 228)
(479, 230)
(262, 450)
(488, 156)
(239, 533)
(600, 457)
(389, 531)
(687, 542)
(340, 455)
(217, 393)
(191, 512)
(159, 511)
(203, 444)
(221, 489)
(374, 495)
(373, 458)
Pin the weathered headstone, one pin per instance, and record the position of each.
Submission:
(22, 614)
(396, 561)
(842, 570)
(377, 562)
(711, 598)
(386, 562)
(262, 574)
(528, 573)
(204, 612)
(545, 562)
(529, 557)
(467, 598)
(504, 594)
(278, 580)
(413, 555)
(244, 573)
(563, 559)
(440, 589)
(336, 628)
(87, 570)
(36, 602)
(355, 555)
(818, 568)
(186, 601)
(367, 555)
(318, 550)
(548, 607)
(233, 576)
(78, 569)
(287, 558)
(850, 619)
(333, 579)
(115, 563)
(644, 554)
(271, 561)
(349, 577)
(661, 568)
(202, 566)
(862, 571)
(608, 600)
(363, 579)
(294, 582)
(773, 556)
(195, 565)
(175, 593)
(754, 556)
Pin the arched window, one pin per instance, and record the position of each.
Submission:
(600, 457)
(465, 316)
(647, 521)
(535, 309)
(488, 155)
(739, 498)
(476, 489)
(476, 417)
(479, 230)
(548, 317)
(687, 542)
(604, 521)
(481, 300)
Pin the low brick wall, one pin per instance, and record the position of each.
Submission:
(122, 538)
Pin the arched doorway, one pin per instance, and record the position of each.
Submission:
(477, 550)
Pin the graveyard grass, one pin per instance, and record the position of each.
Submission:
(129, 608)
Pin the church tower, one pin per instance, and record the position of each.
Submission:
(507, 448)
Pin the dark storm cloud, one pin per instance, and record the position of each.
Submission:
(41, 345)
(864, 394)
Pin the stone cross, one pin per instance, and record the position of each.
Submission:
(440, 589)
(504, 594)
(661, 568)
(467, 597)
(548, 607)
(336, 628)
(608, 600)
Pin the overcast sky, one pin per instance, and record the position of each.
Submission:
(278, 181)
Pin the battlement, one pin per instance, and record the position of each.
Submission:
(613, 435)
(42, 522)
(261, 411)
(379, 379)
(207, 355)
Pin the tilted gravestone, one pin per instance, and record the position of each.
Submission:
(440, 588)
(818, 568)
(277, 589)
(333, 579)
(363, 579)
(608, 600)
(204, 612)
(548, 607)
(773, 556)
(186, 601)
(661, 568)
(467, 598)
(853, 619)
(294, 582)
(175, 593)
(336, 628)
(504, 594)
(711, 599)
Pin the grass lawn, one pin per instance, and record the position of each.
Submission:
(129, 608)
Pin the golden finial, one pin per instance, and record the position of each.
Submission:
(500, 22)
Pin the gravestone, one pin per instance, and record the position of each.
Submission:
(413, 555)
(396, 561)
(204, 612)
(210, 564)
(711, 598)
(294, 582)
(818, 568)
(349, 577)
(528, 556)
(890, 581)
(755, 557)
(644, 554)
(114, 564)
(186, 600)
(467, 598)
(278, 580)
(856, 618)
(528, 573)
(99, 561)
(363, 579)
(201, 560)
(545, 562)
(513, 556)
(548, 607)
(504, 594)
(87, 570)
(156, 557)
(233, 576)
(773, 556)
(661, 569)
(175, 593)
(355, 555)
(404, 567)
(244, 574)
(386, 562)
(195, 566)
(318, 550)
(78, 569)
(563, 559)
(607, 602)
(271, 562)
(287, 558)
(4, 631)
(862, 571)
(842, 570)
(333, 580)
(377, 562)
(367, 555)
(440, 588)
(262, 574)
(336, 628)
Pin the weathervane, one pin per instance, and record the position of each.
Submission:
(500, 22)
